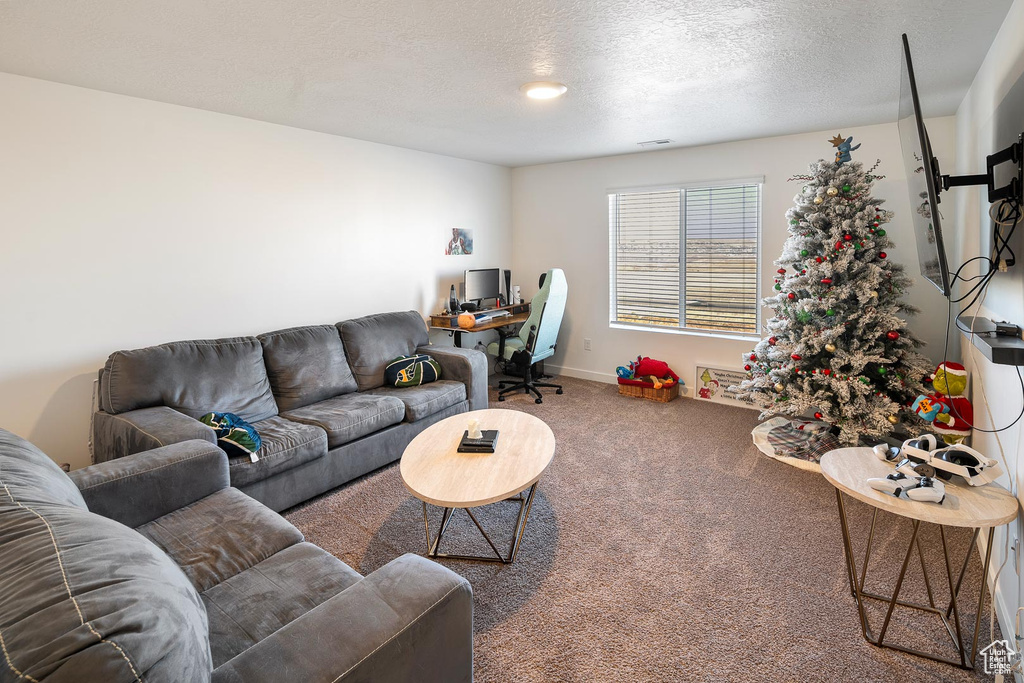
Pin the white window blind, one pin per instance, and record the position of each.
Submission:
(686, 258)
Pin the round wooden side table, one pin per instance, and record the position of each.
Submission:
(973, 507)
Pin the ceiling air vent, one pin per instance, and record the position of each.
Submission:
(654, 143)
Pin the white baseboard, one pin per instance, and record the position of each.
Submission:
(606, 377)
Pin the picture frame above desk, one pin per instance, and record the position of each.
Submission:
(484, 320)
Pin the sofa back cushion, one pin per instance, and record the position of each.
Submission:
(375, 340)
(193, 377)
(84, 597)
(306, 365)
(31, 476)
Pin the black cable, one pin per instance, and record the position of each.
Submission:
(949, 313)
(1008, 212)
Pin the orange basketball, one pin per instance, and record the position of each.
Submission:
(467, 321)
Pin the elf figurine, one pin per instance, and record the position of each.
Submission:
(950, 413)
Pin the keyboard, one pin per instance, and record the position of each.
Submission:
(499, 314)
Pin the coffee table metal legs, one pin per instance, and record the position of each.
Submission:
(525, 503)
(858, 592)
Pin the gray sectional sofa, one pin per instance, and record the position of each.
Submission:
(315, 394)
(152, 568)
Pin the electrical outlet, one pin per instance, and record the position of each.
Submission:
(586, 344)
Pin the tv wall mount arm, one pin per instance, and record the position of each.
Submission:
(1012, 190)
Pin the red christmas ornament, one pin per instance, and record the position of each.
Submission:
(882, 254)
(791, 296)
(781, 271)
(847, 237)
(826, 281)
(827, 371)
(746, 367)
(839, 246)
(818, 416)
(795, 356)
(771, 341)
(893, 335)
(753, 356)
(817, 259)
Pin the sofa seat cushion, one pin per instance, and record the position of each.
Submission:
(252, 605)
(220, 536)
(346, 418)
(285, 444)
(427, 399)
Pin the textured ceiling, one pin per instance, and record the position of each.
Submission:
(443, 75)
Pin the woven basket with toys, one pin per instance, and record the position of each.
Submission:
(648, 378)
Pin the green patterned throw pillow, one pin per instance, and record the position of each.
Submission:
(235, 436)
(411, 371)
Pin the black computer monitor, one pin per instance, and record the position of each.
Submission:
(483, 284)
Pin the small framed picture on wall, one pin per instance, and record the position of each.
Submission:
(460, 242)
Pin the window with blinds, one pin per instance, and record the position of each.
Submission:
(686, 258)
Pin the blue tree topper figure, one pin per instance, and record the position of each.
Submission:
(844, 147)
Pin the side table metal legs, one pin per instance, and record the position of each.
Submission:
(525, 503)
(954, 631)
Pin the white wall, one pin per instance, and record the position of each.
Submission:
(996, 392)
(127, 222)
(560, 219)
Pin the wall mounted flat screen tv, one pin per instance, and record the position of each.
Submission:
(922, 179)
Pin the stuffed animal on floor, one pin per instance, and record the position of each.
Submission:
(658, 368)
(647, 372)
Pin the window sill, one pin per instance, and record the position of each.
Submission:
(690, 332)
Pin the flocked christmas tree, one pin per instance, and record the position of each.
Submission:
(837, 346)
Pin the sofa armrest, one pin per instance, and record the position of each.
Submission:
(468, 366)
(411, 620)
(115, 436)
(139, 488)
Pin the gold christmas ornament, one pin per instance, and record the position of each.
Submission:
(831, 348)
(874, 294)
(893, 419)
(779, 388)
(831, 192)
(818, 200)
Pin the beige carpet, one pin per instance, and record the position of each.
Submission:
(661, 547)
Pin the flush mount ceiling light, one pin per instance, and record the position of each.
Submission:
(543, 90)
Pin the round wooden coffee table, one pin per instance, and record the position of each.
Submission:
(435, 472)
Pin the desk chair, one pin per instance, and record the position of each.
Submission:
(537, 337)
